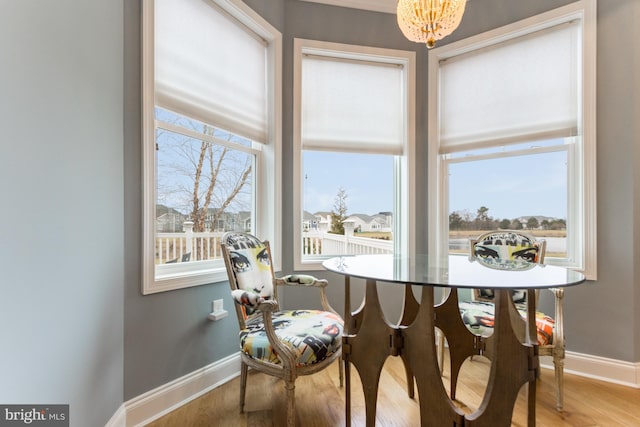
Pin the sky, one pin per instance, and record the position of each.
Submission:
(366, 178)
(510, 187)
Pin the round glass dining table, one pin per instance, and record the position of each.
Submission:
(454, 271)
(369, 338)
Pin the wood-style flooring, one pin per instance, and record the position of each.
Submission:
(320, 401)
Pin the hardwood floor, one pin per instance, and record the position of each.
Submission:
(320, 401)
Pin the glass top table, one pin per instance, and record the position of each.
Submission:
(369, 338)
(456, 271)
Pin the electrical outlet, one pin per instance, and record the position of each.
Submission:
(218, 312)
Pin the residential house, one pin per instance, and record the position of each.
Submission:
(363, 223)
(323, 220)
(244, 219)
(169, 220)
(310, 222)
(237, 221)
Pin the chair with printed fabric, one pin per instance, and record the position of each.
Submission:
(281, 343)
(507, 249)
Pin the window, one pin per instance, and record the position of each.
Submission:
(211, 136)
(512, 136)
(353, 151)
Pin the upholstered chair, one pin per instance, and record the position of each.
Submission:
(281, 343)
(510, 249)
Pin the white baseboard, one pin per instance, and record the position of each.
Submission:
(150, 406)
(155, 403)
(599, 368)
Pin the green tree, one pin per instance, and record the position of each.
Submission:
(339, 212)
(505, 223)
(483, 221)
(455, 221)
(516, 224)
(482, 214)
(532, 223)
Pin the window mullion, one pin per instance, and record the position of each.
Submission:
(203, 137)
(507, 153)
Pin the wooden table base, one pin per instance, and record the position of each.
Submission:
(369, 339)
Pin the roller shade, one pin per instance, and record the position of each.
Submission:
(522, 89)
(351, 105)
(210, 67)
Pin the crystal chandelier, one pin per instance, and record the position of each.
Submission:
(426, 21)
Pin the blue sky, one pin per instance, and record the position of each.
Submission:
(366, 178)
(510, 187)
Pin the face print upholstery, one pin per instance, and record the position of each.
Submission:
(263, 257)
(526, 254)
(240, 262)
(486, 252)
(505, 250)
(252, 269)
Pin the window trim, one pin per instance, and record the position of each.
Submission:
(268, 181)
(586, 217)
(404, 194)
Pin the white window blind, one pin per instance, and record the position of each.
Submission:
(352, 105)
(522, 89)
(210, 68)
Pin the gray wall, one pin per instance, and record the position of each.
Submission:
(166, 335)
(635, 143)
(61, 226)
(600, 315)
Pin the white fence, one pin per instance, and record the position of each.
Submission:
(192, 246)
(187, 246)
(318, 243)
(197, 246)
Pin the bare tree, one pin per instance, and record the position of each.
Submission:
(200, 208)
(339, 212)
(201, 178)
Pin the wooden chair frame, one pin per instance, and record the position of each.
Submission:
(288, 368)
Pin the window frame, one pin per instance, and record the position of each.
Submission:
(404, 165)
(268, 169)
(566, 147)
(582, 209)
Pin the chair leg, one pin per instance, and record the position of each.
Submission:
(243, 383)
(558, 364)
(341, 371)
(290, 387)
